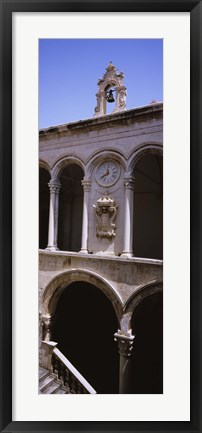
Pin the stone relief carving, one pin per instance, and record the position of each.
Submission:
(125, 347)
(122, 99)
(106, 211)
(97, 108)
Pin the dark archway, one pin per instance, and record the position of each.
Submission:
(148, 207)
(84, 327)
(147, 355)
(70, 208)
(44, 200)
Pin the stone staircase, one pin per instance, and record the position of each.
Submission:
(57, 375)
(48, 383)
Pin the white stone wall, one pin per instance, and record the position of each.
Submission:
(87, 143)
(117, 192)
(125, 277)
(120, 137)
(123, 137)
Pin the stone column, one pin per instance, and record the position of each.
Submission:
(54, 186)
(129, 183)
(86, 190)
(125, 346)
(47, 323)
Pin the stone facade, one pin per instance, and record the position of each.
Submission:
(106, 150)
(122, 138)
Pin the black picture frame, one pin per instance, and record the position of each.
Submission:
(6, 9)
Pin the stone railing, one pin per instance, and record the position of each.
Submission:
(69, 377)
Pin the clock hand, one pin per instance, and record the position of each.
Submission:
(105, 173)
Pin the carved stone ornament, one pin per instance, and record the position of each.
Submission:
(106, 211)
(54, 186)
(111, 78)
(47, 323)
(125, 347)
(125, 343)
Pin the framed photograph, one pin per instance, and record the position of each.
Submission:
(100, 220)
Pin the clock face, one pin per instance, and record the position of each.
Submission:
(107, 172)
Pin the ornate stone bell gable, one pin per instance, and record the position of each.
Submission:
(111, 78)
(106, 211)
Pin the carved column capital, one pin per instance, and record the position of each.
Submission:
(125, 343)
(54, 186)
(86, 184)
(47, 323)
(129, 182)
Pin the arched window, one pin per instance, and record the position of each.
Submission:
(44, 199)
(70, 208)
(147, 354)
(148, 207)
(84, 327)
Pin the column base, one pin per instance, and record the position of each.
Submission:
(127, 255)
(49, 248)
(84, 251)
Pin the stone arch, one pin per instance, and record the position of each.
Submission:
(45, 165)
(141, 150)
(70, 173)
(64, 161)
(57, 285)
(99, 155)
(147, 326)
(135, 299)
(84, 312)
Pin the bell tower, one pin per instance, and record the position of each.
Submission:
(112, 81)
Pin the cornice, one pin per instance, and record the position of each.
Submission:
(138, 114)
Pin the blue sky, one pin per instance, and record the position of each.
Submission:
(70, 68)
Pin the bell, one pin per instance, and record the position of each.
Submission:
(110, 97)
